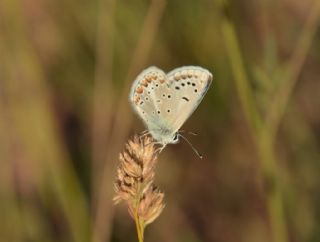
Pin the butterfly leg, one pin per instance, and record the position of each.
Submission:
(159, 150)
(143, 134)
(151, 143)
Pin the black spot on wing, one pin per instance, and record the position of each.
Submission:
(185, 98)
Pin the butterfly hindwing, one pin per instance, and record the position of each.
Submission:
(142, 95)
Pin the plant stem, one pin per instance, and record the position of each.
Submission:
(122, 125)
(53, 168)
(138, 222)
(139, 227)
(101, 118)
(269, 172)
(241, 79)
(293, 68)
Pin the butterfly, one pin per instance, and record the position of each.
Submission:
(165, 101)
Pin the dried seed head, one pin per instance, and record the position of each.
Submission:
(134, 182)
(136, 169)
(151, 205)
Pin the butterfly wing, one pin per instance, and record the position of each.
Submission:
(164, 102)
(142, 96)
(183, 93)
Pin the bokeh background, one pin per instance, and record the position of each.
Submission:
(66, 68)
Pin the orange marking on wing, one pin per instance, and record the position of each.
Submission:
(139, 89)
(177, 76)
(144, 82)
(197, 73)
(184, 74)
(154, 76)
(148, 78)
(136, 100)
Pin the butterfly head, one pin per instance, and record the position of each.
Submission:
(175, 138)
(165, 137)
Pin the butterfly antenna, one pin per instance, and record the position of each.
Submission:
(192, 133)
(188, 132)
(194, 149)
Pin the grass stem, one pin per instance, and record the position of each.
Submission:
(268, 168)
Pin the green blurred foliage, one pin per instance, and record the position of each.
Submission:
(65, 72)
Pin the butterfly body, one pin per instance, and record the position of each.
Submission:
(165, 101)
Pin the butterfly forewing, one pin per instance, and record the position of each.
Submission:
(190, 84)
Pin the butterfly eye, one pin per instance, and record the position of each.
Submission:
(175, 138)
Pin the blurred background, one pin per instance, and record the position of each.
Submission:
(66, 68)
